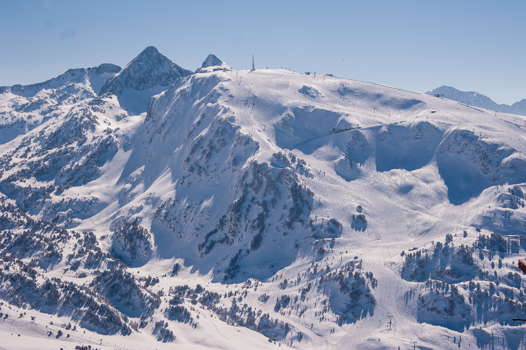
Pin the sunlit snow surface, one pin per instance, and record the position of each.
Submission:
(301, 210)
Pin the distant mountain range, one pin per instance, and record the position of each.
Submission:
(473, 98)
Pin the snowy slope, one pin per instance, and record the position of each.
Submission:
(473, 98)
(23, 107)
(234, 209)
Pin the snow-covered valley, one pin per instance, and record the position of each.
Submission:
(155, 207)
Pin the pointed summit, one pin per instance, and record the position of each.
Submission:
(148, 70)
(146, 75)
(149, 51)
(211, 60)
(212, 64)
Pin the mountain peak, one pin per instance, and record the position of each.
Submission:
(147, 70)
(212, 64)
(150, 50)
(149, 53)
(211, 60)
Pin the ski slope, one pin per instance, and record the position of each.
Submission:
(235, 209)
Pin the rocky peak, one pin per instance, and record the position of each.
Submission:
(148, 70)
(213, 63)
(107, 68)
(211, 60)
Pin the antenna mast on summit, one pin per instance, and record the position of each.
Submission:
(253, 65)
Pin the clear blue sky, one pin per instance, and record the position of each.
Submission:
(412, 44)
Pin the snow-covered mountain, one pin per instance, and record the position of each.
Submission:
(473, 98)
(146, 75)
(153, 207)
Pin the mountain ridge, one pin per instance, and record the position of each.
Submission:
(476, 99)
(250, 208)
